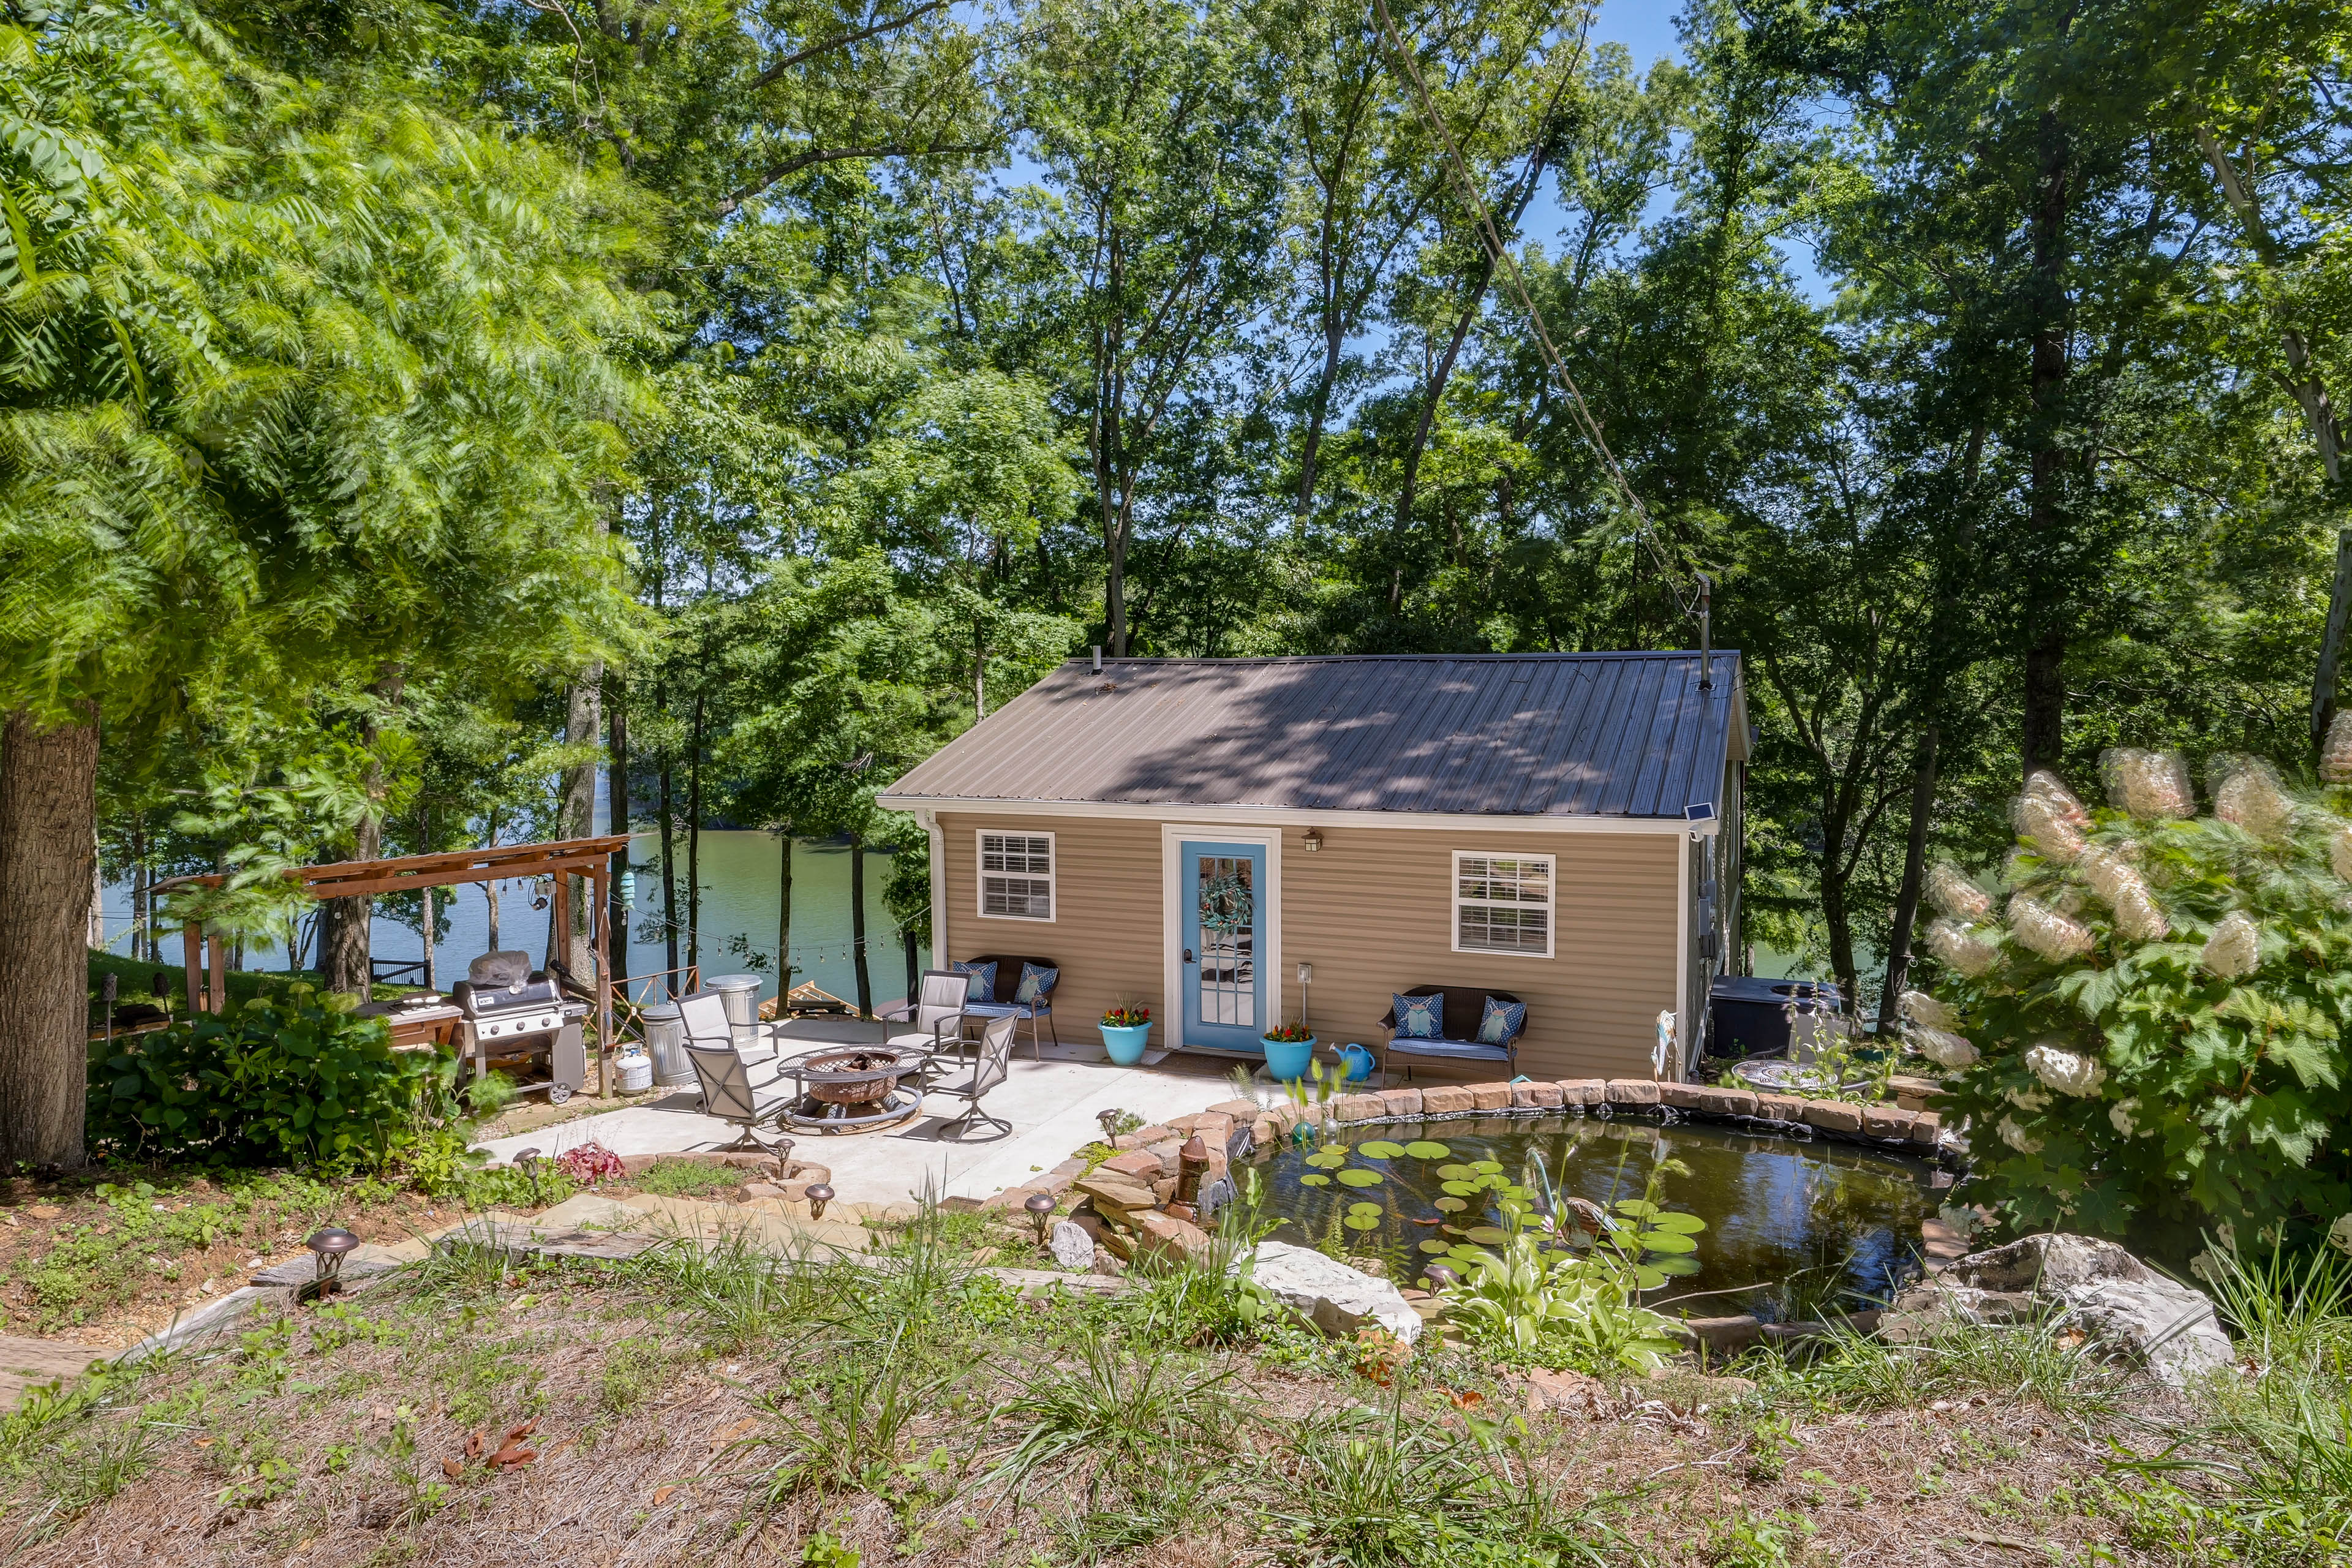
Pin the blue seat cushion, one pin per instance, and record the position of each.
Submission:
(1419, 1018)
(1460, 1050)
(1036, 1009)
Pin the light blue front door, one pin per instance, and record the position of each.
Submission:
(1222, 980)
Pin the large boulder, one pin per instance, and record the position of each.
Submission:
(1335, 1298)
(2092, 1285)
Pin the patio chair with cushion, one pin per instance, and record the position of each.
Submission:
(1016, 988)
(1458, 1023)
(704, 1014)
(728, 1094)
(938, 1014)
(970, 1081)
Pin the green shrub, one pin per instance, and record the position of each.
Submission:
(284, 1081)
(2149, 1026)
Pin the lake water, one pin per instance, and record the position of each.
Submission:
(739, 877)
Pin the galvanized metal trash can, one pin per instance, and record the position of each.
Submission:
(665, 1044)
(740, 994)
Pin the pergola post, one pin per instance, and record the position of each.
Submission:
(600, 916)
(192, 957)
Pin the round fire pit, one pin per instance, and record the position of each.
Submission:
(859, 1077)
(851, 1088)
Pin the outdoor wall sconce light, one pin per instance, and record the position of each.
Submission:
(1041, 1213)
(1314, 839)
(326, 1248)
(818, 1195)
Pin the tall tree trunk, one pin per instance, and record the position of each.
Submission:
(694, 837)
(142, 914)
(491, 889)
(1319, 409)
(858, 924)
(2042, 742)
(616, 795)
(1914, 873)
(784, 919)
(668, 866)
(576, 815)
(344, 924)
(48, 819)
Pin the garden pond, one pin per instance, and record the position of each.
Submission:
(1778, 1226)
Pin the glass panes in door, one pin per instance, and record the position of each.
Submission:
(1226, 912)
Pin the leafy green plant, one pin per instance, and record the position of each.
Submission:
(2149, 1037)
(687, 1178)
(293, 1081)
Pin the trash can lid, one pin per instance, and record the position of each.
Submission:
(659, 1010)
(734, 983)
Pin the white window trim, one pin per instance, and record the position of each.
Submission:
(980, 874)
(1550, 906)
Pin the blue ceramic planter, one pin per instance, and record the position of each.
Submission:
(1125, 1041)
(1288, 1060)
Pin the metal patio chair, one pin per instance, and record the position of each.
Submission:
(728, 1095)
(971, 1081)
(938, 1016)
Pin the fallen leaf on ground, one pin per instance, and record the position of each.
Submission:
(525, 1430)
(663, 1495)
(474, 1444)
(741, 1428)
(452, 1468)
(512, 1454)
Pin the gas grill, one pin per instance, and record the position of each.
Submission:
(514, 1011)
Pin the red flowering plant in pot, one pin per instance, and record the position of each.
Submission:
(1125, 1028)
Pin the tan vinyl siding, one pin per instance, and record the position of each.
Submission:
(1372, 911)
(1105, 933)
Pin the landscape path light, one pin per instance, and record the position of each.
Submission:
(328, 1250)
(818, 1195)
(527, 1162)
(1041, 1213)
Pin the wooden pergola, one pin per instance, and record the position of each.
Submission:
(206, 954)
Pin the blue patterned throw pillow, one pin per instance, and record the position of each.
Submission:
(1499, 1024)
(983, 980)
(1419, 1017)
(1037, 980)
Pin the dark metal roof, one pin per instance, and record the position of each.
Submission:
(1605, 734)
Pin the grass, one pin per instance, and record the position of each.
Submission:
(687, 1179)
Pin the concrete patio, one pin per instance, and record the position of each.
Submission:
(1051, 1103)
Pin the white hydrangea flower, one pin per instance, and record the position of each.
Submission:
(2335, 753)
(1949, 889)
(2248, 795)
(2068, 1072)
(2235, 947)
(2120, 1114)
(2138, 916)
(2028, 1099)
(1960, 948)
(2207, 1267)
(2017, 1136)
(1924, 1009)
(2046, 823)
(2046, 932)
(2340, 1235)
(2149, 783)
(1945, 1048)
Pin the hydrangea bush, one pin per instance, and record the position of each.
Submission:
(2145, 1026)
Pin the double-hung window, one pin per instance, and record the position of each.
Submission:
(1503, 903)
(1016, 876)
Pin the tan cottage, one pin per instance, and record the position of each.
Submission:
(1238, 842)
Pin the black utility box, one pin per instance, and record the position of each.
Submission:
(1748, 1016)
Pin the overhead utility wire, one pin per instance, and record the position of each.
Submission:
(1493, 237)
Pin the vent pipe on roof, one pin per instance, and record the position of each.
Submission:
(1097, 659)
(1705, 631)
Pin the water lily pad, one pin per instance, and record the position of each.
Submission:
(1463, 1189)
(1455, 1173)
(1327, 1159)
(1381, 1149)
(1685, 1264)
(1435, 1247)
(1314, 1179)
(1365, 1208)
(1360, 1178)
(1422, 1149)
(1491, 1167)
(1667, 1241)
(1649, 1278)
(1640, 1208)
(1680, 1224)
(1451, 1206)
(1363, 1222)
(1486, 1234)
